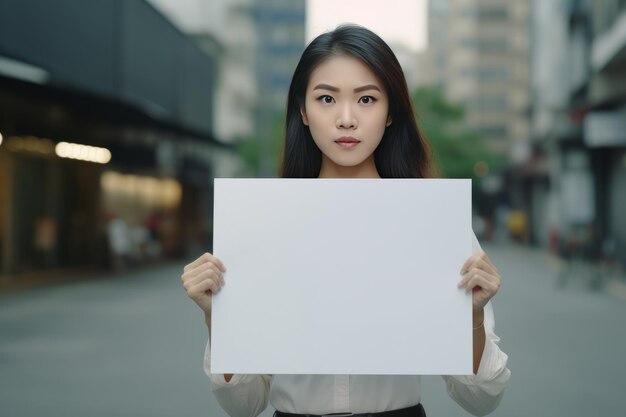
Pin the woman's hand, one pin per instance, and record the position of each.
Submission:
(482, 278)
(202, 278)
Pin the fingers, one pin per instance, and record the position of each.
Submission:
(476, 275)
(203, 259)
(481, 260)
(201, 288)
(482, 285)
(204, 272)
(479, 270)
(202, 278)
(203, 269)
(481, 279)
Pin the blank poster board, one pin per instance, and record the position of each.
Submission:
(342, 276)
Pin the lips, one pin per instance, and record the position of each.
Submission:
(347, 142)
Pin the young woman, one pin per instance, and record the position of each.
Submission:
(349, 115)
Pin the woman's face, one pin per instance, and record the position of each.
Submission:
(346, 110)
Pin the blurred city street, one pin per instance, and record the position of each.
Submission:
(132, 344)
(117, 116)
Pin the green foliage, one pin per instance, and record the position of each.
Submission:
(457, 149)
(250, 148)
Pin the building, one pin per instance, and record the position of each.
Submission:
(579, 120)
(107, 138)
(262, 42)
(281, 32)
(225, 29)
(487, 69)
(432, 62)
(479, 56)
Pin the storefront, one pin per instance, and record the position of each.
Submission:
(106, 149)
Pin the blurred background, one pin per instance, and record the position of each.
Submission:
(116, 115)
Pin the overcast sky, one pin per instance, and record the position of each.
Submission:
(396, 21)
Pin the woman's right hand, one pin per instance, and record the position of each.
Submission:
(202, 278)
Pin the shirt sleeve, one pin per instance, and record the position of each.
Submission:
(245, 395)
(481, 393)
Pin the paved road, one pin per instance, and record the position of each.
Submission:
(133, 345)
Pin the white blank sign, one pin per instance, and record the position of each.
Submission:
(334, 276)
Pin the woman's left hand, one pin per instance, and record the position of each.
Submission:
(481, 277)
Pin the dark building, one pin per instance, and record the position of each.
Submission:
(106, 122)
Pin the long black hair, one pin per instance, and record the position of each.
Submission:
(403, 151)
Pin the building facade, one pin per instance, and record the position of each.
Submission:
(262, 41)
(479, 53)
(281, 34)
(107, 139)
(579, 122)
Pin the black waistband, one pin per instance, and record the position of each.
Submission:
(415, 411)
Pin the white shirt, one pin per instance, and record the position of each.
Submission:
(247, 395)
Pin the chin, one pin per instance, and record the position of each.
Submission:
(348, 163)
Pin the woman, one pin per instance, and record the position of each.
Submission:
(349, 115)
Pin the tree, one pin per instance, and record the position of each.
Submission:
(249, 148)
(460, 152)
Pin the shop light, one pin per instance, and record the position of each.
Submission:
(0, 138)
(149, 191)
(83, 152)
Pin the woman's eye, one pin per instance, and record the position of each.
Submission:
(367, 100)
(326, 99)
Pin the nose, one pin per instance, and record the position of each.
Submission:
(346, 118)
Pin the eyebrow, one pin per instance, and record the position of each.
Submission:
(356, 90)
